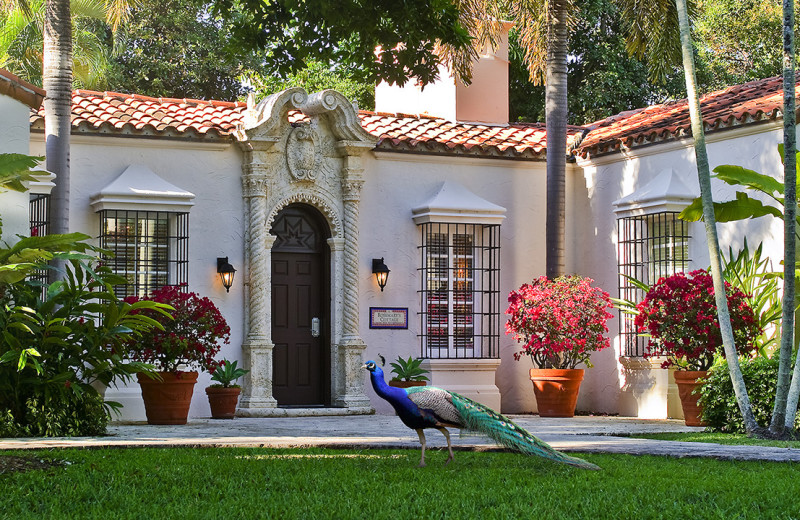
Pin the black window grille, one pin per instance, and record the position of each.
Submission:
(650, 247)
(39, 216)
(148, 248)
(460, 295)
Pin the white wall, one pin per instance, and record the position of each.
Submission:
(397, 183)
(609, 178)
(213, 173)
(14, 138)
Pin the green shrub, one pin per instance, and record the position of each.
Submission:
(57, 415)
(720, 410)
(53, 349)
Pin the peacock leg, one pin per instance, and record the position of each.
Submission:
(422, 442)
(449, 446)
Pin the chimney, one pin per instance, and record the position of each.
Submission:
(485, 100)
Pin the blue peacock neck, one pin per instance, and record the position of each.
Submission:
(385, 391)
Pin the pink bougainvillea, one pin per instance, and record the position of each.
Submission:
(559, 322)
(680, 315)
(190, 340)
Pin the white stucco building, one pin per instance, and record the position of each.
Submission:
(301, 193)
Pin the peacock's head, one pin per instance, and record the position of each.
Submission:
(370, 365)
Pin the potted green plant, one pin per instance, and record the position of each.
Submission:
(188, 342)
(559, 323)
(224, 395)
(679, 313)
(408, 372)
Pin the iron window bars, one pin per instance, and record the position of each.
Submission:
(459, 294)
(149, 249)
(650, 247)
(39, 216)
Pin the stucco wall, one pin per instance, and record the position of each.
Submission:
(608, 178)
(397, 183)
(213, 173)
(14, 138)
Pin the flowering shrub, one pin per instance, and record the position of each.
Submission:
(680, 315)
(559, 322)
(190, 339)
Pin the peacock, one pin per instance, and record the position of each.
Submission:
(430, 407)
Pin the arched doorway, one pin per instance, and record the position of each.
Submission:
(301, 307)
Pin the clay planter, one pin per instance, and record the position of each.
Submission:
(688, 381)
(556, 390)
(167, 401)
(406, 384)
(223, 401)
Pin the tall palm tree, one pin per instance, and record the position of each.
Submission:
(57, 82)
(788, 387)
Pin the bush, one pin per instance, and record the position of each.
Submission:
(679, 313)
(57, 415)
(720, 410)
(52, 349)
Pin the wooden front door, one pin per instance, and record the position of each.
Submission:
(300, 309)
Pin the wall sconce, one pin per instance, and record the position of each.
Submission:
(381, 272)
(226, 273)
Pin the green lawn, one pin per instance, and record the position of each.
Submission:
(186, 483)
(719, 438)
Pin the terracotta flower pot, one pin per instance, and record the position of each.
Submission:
(556, 390)
(167, 401)
(223, 401)
(688, 381)
(406, 384)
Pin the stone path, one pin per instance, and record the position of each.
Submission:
(585, 434)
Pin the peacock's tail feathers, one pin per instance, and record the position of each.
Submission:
(502, 430)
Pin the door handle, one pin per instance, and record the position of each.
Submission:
(315, 328)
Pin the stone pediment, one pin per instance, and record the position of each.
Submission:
(269, 120)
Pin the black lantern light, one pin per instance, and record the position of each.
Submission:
(381, 272)
(226, 273)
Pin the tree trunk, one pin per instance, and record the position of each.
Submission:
(704, 177)
(556, 122)
(57, 81)
(785, 396)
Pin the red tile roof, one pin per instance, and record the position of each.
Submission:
(111, 112)
(753, 102)
(132, 114)
(21, 90)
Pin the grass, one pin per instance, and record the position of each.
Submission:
(213, 483)
(719, 438)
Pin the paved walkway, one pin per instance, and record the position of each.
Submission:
(585, 434)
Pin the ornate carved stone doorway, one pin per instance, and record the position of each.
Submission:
(314, 161)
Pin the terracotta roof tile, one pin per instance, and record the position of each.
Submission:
(752, 102)
(112, 112)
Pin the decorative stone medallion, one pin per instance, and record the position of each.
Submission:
(301, 153)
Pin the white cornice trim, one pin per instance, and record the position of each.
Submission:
(141, 141)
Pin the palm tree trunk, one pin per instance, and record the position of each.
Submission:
(556, 122)
(785, 396)
(57, 81)
(704, 177)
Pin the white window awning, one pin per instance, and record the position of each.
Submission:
(455, 203)
(666, 192)
(138, 188)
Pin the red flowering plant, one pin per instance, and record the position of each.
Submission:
(679, 314)
(190, 339)
(559, 322)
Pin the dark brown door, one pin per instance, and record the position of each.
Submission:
(299, 309)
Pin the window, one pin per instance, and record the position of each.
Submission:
(459, 297)
(650, 247)
(148, 248)
(39, 216)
